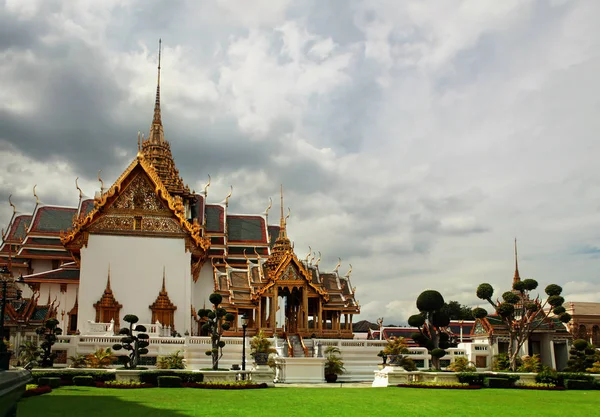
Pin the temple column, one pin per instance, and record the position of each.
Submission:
(305, 308)
(320, 318)
(259, 315)
(274, 310)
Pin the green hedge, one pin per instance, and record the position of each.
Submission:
(66, 375)
(491, 382)
(84, 381)
(151, 377)
(578, 376)
(471, 378)
(578, 384)
(52, 382)
(168, 381)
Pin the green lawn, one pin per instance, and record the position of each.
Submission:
(320, 402)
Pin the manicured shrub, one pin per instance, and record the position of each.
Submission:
(51, 381)
(577, 384)
(135, 344)
(151, 377)
(169, 381)
(490, 382)
(471, 378)
(67, 376)
(579, 376)
(547, 376)
(84, 381)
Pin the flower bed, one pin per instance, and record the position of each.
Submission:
(224, 385)
(439, 385)
(33, 390)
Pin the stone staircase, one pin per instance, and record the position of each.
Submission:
(296, 344)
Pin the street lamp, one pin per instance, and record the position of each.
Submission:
(5, 278)
(244, 326)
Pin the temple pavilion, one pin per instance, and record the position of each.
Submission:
(149, 246)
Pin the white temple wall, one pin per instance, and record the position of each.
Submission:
(136, 272)
(204, 287)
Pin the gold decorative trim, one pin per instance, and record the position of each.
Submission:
(174, 203)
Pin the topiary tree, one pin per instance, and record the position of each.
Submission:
(430, 322)
(583, 355)
(48, 331)
(136, 344)
(218, 321)
(521, 314)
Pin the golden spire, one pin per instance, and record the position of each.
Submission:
(157, 134)
(282, 245)
(12, 204)
(516, 278)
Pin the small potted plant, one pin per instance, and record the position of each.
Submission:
(334, 365)
(395, 350)
(261, 348)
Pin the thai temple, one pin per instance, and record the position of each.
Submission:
(149, 246)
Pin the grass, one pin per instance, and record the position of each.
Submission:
(176, 402)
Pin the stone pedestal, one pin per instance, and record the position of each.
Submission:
(300, 370)
(390, 376)
(123, 375)
(12, 386)
(263, 374)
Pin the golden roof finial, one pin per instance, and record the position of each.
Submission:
(318, 259)
(79, 189)
(267, 210)
(11, 204)
(257, 254)
(206, 187)
(101, 183)
(108, 279)
(164, 287)
(349, 271)
(246, 257)
(517, 277)
(309, 252)
(338, 265)
(139, 141)
(228, 196)
(313, 258)
(37, 200)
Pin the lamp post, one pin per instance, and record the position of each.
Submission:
(244, 326)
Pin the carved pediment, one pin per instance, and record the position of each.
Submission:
(139, 197)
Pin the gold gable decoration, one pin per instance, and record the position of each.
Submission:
(174, 204)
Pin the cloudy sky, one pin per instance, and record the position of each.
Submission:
(414, 139)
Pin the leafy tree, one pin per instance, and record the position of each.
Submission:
(457, 311)
(171, 361)
(430, 321)
(520, 314)
(28, 352)
(462, 364)
(101, 358)
(48, 331)
(218, 321)
(136, 344)
(583, 356)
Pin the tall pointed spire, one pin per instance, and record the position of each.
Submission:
(156, 129)
(282, 245)
(282, 231)
(517, 277)
(158, 151)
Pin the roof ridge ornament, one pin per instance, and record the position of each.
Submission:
(101, 183)
(206, 188)
(37, 200)
(267, 210)
(11, 204)
(338, 265)
(516, 277)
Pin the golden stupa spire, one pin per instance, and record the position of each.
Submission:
(517, 277)
(157, 134)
